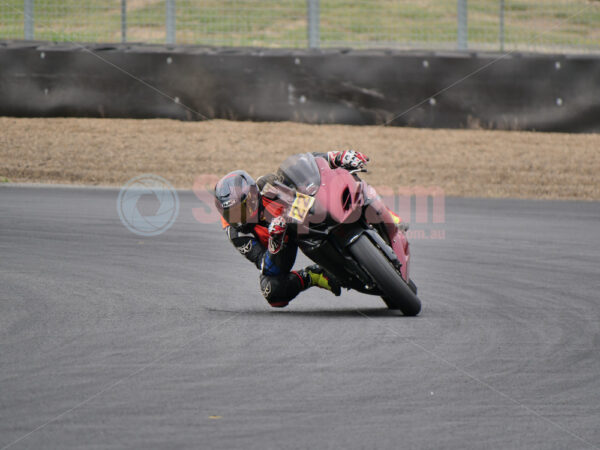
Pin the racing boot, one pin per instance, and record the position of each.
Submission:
(315, 276)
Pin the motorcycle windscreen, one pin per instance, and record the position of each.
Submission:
(302, 173)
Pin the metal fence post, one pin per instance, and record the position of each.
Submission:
(123, 21)
(171, 22)
(29, 23)
(313, 19)
(463, 31)
(501, 25)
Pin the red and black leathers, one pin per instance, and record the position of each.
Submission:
(279, 284)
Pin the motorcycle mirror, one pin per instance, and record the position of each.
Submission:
(269, 191)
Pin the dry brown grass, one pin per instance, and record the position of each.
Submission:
(473, 163)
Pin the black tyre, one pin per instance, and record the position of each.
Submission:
(397, 294)
(412, 286)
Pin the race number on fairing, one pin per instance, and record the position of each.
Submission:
(301, 207)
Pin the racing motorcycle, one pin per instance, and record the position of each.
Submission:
(342, 225)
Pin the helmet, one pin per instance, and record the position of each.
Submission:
(237, 198)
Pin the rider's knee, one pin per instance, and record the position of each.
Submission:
(273, 290)
(278, 304)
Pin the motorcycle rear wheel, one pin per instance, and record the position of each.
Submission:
(398, 294)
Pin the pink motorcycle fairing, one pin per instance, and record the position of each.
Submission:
(343, 198)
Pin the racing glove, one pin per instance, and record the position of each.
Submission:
(348, 159)
(277, 229)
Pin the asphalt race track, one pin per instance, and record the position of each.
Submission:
(112, 340)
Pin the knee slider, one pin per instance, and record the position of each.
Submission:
(273, 290)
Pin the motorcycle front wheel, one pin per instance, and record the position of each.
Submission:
(398, 295)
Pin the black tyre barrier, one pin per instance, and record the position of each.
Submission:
(422, 89)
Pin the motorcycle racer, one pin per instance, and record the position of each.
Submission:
(256, 227)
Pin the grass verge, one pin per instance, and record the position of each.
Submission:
(471, 163)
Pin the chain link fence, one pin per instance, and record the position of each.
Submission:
(523, 25)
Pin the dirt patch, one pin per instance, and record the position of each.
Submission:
(472, 163)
